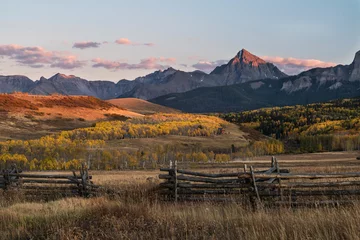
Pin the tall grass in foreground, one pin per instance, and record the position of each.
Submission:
(137, 215)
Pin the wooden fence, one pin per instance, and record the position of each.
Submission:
(274, 186)
(47, 185)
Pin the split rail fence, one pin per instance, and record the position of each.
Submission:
(47, 185)
(273, 186)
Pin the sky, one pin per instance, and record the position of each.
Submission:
(116, 39)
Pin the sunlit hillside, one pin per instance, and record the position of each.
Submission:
(28, 116)
(141, 106)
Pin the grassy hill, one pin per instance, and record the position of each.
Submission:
(329, 126)
(141, 106)
(24, 116)
(135, 143)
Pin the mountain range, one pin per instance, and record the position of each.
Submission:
(314, 85)
(245, 82)
(242, 68)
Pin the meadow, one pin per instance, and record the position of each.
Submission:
(136, 211)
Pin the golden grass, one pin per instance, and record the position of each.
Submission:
(102, 218)
(141, 106)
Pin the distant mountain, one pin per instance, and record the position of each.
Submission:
(245, 67)
(9, 84)
(315, 85)
(72, 85)
(168, 81)
(245, 82)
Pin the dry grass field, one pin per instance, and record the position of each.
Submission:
(24, 116)
(135, 212)
(141, 106)
(233, 135)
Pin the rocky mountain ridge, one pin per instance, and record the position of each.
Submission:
(242, 68)
(315, 85)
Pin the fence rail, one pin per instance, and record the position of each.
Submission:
(40, 185)
(273, 186)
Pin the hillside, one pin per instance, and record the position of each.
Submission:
(28, 116)
(141, 106)
(145, 142)
(330, 126)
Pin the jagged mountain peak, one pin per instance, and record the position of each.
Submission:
(246, 57)
(245, 67)
(62, 76)
(357, 57)
(355, 74)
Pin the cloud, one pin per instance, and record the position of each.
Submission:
(294, 66)
(147, 63)
(126, 41)
(37, 57)
(84, 45)
(149, 44)
(208, 66)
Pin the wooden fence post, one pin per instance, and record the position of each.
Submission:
(175, 182)
(273, 160)
(254, 183)
(279, 179)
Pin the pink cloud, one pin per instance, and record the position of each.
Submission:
(147, 63)
(295, 65)
(37, 57)
(208, 66)
(84, 45)
(126, 41)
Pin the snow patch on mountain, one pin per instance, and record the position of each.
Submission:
(335, 86)
(256, 85)
(297, 85)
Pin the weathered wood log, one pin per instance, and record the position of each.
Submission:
(187, 192)
(311, 193)
(47, 181)
(22, 175)
(214, 185)
(219, 175)
(301, 176)
(165, 176)
(309, 185)
(165, 169)
(210, 199)
(210, 191)
(209, 180)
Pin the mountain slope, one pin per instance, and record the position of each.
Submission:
(24, 116)
(141, 106)
(9, 84)
(176, 81)
(72, 85)
(315, 85)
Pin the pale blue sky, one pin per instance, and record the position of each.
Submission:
(189, 31)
